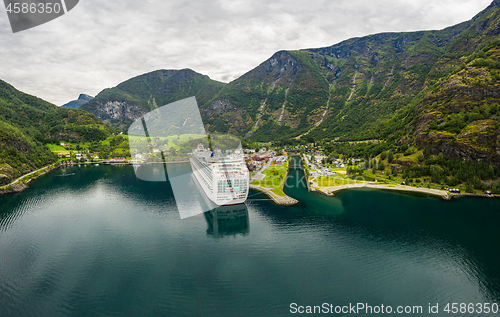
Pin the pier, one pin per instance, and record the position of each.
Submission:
(279, 200)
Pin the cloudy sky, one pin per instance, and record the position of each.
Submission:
(99, 44)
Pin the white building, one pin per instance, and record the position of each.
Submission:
(320, 158)
(279, 160)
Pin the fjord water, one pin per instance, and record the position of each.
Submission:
(100, 242)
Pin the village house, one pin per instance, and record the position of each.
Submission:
(279, 160)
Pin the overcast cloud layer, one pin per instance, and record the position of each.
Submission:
(102, 43)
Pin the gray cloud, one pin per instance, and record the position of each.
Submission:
(102, 43)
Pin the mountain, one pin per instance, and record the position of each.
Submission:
(285, 95)
(345, 90)
(27, 123)
(438, 89)
(76, 104)
(121, 105)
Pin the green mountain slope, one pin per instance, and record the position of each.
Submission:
(283, 95)
(346, 90)
(396, 72)
(385, 86)
(121, 105)
(27, 123)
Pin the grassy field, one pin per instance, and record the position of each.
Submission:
(275, 177)
(56, 148)
(278, 191)
(379, 177)
(332, 181)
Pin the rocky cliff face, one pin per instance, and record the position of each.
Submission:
(478, 144)
(461, 117)
(119, 114)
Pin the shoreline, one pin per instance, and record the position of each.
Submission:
(443, 194)
(400, 188)
(18, 185)
(279, 200)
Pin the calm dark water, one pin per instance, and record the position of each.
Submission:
(102, 243)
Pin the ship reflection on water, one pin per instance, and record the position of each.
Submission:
(226, 221)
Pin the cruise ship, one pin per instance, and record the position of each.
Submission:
(223, 176)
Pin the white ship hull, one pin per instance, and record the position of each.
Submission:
(222, 186)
